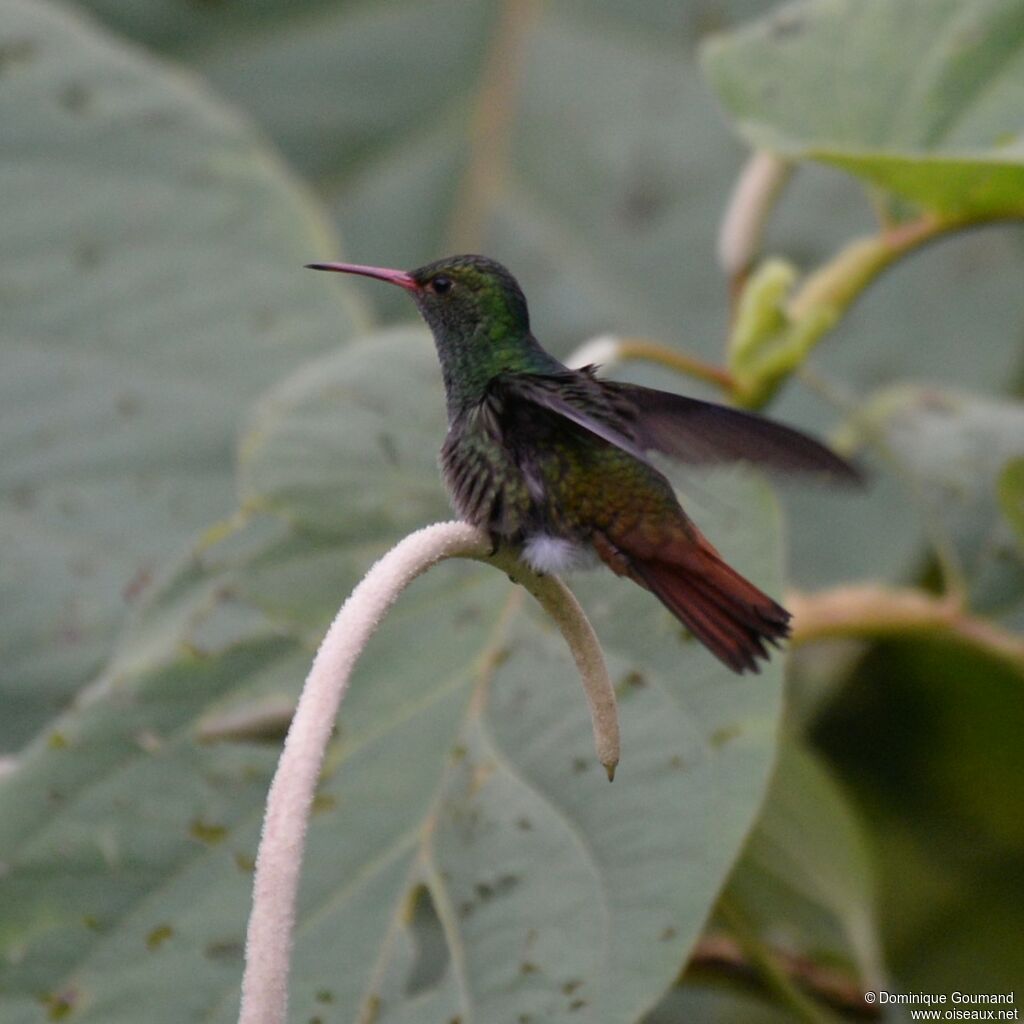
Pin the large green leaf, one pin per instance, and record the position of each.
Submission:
(151, 288)
(716, 1004)
(921, 97)
(469, 858)
(927, 737)
(951, 447)
(800, 897)
(803, 883)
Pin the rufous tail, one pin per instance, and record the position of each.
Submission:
(724, 611)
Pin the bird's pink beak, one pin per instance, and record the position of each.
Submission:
(399, 277)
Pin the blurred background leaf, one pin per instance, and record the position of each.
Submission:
(149, 295)
(941, 129)
(927, 736)
(804, 882)
(509, 809)
(953, 447)
(794, 934)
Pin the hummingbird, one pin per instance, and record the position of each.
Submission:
(556, 461)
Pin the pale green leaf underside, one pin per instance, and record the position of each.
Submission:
(830, 80)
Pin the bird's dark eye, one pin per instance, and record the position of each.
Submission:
(441, 285)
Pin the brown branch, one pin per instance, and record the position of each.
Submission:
(654, 352)
(720, 954)
(871, 610)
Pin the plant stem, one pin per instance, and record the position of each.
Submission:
(836, 284)
(718, 953)
(773, 975)
(607, 350)
(654, 352)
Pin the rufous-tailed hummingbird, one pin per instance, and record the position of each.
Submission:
(555, 461)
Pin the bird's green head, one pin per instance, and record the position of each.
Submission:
(471, 295)
(459, 296)
(478, 316)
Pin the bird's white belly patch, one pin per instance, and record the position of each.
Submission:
(545, 553)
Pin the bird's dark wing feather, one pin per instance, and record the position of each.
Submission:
(577, 397)
(703, 432)
(639, 420)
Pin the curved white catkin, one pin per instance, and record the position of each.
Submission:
(279, 861)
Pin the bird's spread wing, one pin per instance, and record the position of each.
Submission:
(638, 419)
(573, 395)
(703, 432)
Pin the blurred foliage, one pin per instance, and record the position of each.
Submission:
(194, 481)
(804, 83)
(145, 228)
(927, 734)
